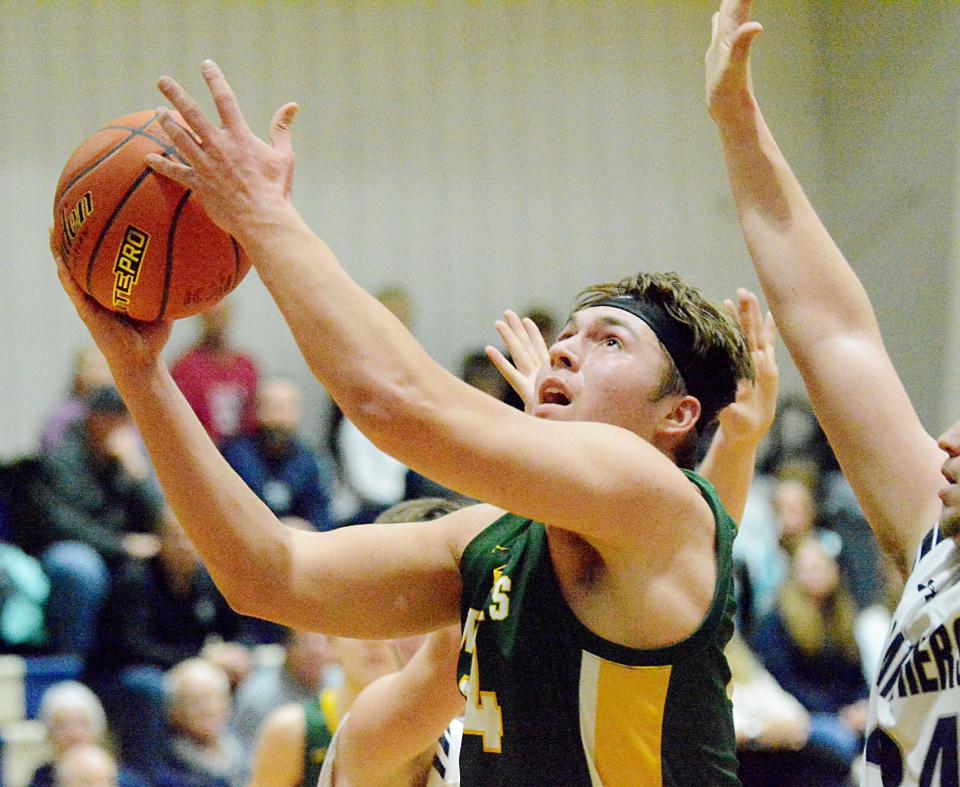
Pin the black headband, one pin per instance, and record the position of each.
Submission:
(676, 337)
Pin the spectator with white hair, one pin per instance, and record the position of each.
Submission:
(201, 751)
(74, 718)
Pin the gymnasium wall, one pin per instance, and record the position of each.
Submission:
(483, 155)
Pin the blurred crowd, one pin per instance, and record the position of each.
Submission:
(175, 688)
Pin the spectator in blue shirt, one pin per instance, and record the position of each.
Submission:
(275, 463)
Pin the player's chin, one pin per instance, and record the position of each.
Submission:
(950, 522)
(553, 412)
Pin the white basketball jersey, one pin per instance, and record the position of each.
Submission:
(444, 771)
(915, 698)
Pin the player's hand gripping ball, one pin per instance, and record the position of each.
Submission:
(134, 240)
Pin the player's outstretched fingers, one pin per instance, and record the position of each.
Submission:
(190, 110)
(223, 97)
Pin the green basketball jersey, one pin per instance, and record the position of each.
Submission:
(321, 721)
(550, 703)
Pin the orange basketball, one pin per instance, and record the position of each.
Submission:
(134, 240)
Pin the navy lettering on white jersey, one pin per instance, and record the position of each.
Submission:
(915, 699)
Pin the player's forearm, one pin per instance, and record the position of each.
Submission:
(729, 466)
(241, 542)
(811, 289)
(361, 353)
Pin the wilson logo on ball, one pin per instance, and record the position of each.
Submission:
(126, 270)
(73, 221)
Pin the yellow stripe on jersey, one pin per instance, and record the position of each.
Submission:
(330, 709)
(621, 721)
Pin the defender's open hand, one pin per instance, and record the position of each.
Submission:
(528, 352)
(727, 77)
(750, 415)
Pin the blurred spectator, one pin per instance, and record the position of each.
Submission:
(90, 371)
(24, 589)
(795, 438)
(87, 766)
(772, 728)
(861, 559)
(160, 612)
(767, 538)
(807, 643)
(307, 664)
(477, 370)
(100, 505)
(218, 380)
(368, 480)
(74, 720)
(275, 464)
(201, 751)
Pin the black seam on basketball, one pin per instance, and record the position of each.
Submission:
(168, 274)
(134, 132)
(109, 223)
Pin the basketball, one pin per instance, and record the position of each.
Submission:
(135, 241)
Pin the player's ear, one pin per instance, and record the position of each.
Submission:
(683, 417)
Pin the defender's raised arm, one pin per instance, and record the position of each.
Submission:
(821, 308)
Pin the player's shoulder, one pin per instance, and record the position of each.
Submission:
(464, 525)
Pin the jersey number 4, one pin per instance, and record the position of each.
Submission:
(482, 715)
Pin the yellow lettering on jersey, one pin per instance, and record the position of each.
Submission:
(469, 637)
(481, 715)
(500, 606)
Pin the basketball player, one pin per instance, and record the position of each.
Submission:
(609, 621)
(896, 469)
(390, 735)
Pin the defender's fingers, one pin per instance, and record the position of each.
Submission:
(738, 11)
(538, 343)
(184, 104)
(506, 369)
(226, 102)
(280, 134)
(515, 346)
(742, 39)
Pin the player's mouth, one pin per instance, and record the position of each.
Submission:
(551, 396)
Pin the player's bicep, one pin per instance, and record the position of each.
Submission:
(595, 479)
(378, 580)
(891, 462)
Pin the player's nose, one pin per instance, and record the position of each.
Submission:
(949, 441)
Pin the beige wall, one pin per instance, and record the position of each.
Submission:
(483, 154)
(891, 125)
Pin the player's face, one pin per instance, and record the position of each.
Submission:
(604, 366)
(950, 495)
(362, 660)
